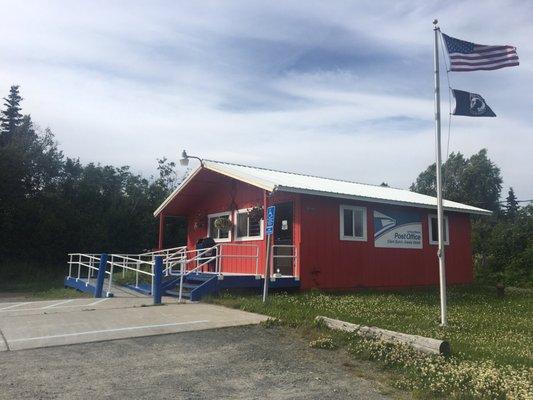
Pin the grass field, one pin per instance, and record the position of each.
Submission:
(491, 337)
(34, 281)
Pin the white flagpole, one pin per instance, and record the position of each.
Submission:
(440, 214)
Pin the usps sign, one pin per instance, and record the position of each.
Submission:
(397, 229)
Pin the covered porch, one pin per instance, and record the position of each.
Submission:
(238, 250)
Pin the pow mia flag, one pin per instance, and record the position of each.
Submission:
(470, 105)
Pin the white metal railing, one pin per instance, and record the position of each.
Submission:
(166, 253)
(202, 257)
(85, 267)
(88, 263)
(143, 264)
(194, 261)
(134, 263)
(253, 256)
(177, 261)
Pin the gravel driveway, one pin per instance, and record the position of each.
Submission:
(233, 363)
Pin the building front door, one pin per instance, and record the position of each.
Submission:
(283, 236)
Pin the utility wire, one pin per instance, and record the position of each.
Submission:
(518, 201)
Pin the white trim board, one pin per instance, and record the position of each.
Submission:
(446, 229)
(353, 209)
(272, 180)
(247, 238)
(219, 214)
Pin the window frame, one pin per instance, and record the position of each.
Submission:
(430, 230)
(230, 231)
(354, 209)
(248, 238)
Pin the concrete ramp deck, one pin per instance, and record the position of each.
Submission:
(27, 325)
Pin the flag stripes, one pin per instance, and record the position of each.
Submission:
(466, 56)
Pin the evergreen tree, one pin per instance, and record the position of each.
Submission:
(475, 181)
(511, 207)
(10, 118)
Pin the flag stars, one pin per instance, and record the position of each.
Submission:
(467, 56)
(458, 46)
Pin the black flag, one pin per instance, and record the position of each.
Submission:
(471, 105)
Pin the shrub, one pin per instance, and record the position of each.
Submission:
(323, 343)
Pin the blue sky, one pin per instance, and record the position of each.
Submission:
(340, 89)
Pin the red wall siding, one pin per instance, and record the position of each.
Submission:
(329, 262)
(225, 194)
(224, 197)
(323, 259)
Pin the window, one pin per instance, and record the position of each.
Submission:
(353, 223)
(246, 229)
(220, 235)
(434, 230)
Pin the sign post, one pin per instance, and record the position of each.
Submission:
(269, 230)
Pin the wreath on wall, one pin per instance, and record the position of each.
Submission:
(223, 223)
(255, 214)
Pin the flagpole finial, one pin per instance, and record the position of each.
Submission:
(435, 22)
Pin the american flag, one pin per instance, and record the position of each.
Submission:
(466, 56)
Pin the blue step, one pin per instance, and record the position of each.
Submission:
(187, 285)
(199, 277)
(143, 288)
(195, 286)
(170, 282)
(175, 293)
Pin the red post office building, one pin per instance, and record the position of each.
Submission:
(328, 233)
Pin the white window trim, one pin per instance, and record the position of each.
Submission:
(230, 232)
(247, 238)
(447, 228)
(353, 209)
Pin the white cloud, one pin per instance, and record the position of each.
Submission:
(280, 85)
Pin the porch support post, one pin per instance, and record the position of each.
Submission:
(98, 291)
(158, 277)
(161, 231)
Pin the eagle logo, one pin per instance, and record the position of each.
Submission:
(477, 104)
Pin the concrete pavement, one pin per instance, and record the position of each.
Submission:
(27, 325)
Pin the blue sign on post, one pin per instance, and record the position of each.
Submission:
(271, 217)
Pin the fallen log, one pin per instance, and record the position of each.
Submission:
(420, 343)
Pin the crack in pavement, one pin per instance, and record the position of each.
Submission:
(5, 340)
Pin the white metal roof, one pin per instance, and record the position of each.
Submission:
(298, 183)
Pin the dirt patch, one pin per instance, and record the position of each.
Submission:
(13, 297)
(48, 294)
(236, 363)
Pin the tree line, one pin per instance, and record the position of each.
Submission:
(51, 204)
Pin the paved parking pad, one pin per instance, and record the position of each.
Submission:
(73, 305)
(27, 325)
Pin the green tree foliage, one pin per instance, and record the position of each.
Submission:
(475, 181)
(10, 117)
(511, 205)
(507, 252)
(51, 204)
(503, 242)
